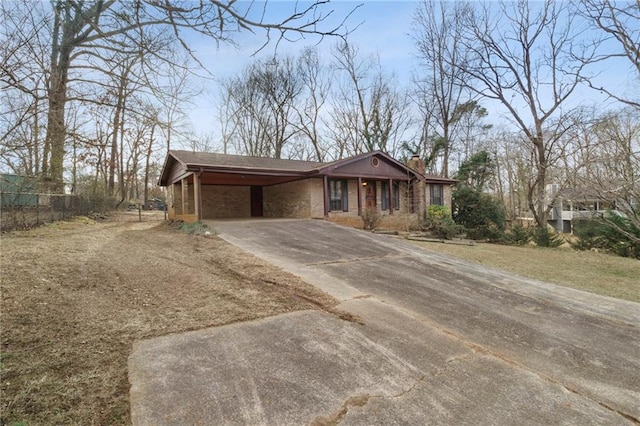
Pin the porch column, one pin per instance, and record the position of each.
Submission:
(390, 196)
(197, 196)
(185, 195)
(359, 196)
(325, 187)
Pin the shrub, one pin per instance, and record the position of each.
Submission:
(370, 218)
(519, 235)
(482, 215)
(612, 233)
(437, 213)
(440, 223)
(447, 229)
(545, 238)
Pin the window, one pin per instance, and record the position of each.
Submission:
(395, 195)
(437, 194)
(338, 195)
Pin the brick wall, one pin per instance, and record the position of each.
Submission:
(220, 201)
(290, 200)
(316, 191)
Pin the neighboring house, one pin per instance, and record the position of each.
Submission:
(571, 204)
(212, 186)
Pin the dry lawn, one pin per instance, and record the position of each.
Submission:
(598, 273)
(76, 295)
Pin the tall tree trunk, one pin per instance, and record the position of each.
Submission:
(53, 150)
(114, 149)
(121, 170)
(146, 165)
(53, 153)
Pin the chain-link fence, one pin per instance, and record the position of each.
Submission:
(26, 210)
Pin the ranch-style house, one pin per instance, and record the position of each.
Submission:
(204, 185)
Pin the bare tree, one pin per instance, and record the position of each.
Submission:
(23, 83)
(225, 115)
(368, 112)
(261, 103)
(437, 32)
(523, 55)
(79, 29)
(317, 84)
(610, 163)
(620, 22)
(175, 92)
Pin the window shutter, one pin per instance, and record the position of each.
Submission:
(345, 196)
(385, 195)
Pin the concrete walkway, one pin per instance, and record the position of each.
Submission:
(442, 342)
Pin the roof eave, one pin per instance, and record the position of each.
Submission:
(247, 170)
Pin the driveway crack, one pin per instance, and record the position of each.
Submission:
(356, 259)
(335, 418)
(361, 400)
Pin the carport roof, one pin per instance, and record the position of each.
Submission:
(209, 159)
(233, 164)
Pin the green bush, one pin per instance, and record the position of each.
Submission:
(545, 238)
(436, 213)
(519, 235)
(440, 223)
(611, 233)
(447, 229)
(482, 215)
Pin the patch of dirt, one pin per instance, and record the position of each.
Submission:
(76, 295)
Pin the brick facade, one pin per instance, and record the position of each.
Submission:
(211, 186)
(226, 201)
(287, 200)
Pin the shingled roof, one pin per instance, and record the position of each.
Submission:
(208, 159)
(296, 169)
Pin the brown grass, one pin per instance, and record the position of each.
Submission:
(598, 273)
(76, 295)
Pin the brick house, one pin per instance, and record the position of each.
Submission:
(212, 186)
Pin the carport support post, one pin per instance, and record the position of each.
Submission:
(197, 195)
(184, 185)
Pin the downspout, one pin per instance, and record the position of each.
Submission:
(359, 196)
(390, 196)
(325, 189)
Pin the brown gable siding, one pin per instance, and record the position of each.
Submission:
(370, 167)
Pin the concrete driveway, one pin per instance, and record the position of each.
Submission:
(441, 342)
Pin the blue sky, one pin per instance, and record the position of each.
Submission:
(379, 27)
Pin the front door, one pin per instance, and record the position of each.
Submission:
(370, 194)
(256, 201)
